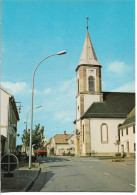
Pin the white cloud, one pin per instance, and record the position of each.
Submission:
(16, 88)
(47, 91)
(67, 85)
(128, 87)
(117, 67)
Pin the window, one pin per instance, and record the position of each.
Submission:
(122, 132)
(133, 128)
(83, 133)
(134, 146)
(104, 133)
(78, 108)
(91, 83)
(119, 132)
(126, 130)
(72, 141)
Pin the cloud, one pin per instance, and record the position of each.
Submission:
(117, 67)
(16, 88)
(128, 87)
(47, 91)
(67, 85)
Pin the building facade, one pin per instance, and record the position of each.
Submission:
(8, 122)
(61, 144)
(128, 135)
(98, 114)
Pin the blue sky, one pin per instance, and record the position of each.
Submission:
(34, 29)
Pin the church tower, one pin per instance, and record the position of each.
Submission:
(88, 77)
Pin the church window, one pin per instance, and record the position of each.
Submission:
(104, 133)
(119, 132)
(78, 108)
(127, 130)
(133, 128)
(83, 133)
(91, 83)
(134, 146)
(122, 132)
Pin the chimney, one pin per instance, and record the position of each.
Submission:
(64, 132)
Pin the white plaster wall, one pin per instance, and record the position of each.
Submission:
(95, 132)
(4, 104)
(91, 72)
(89, 99)
(131, 138)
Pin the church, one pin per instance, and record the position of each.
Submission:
(98, 114)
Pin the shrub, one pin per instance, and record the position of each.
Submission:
(118, 154)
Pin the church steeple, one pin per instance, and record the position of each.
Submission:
(88, 55)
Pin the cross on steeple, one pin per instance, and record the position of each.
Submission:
(87, 22)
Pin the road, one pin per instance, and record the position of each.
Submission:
(83, 174)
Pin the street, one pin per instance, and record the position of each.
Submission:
(83, 174)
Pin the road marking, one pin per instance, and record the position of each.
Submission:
(132, 185)
(106, 173)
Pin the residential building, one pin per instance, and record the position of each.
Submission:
(8, 122)
(128, 135)
(60, 144)
(98, 113)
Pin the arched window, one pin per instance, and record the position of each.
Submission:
(91, 83)
(119, 132)
(104, 133)
(83, 133)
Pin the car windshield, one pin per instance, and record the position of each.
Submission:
(42, 148)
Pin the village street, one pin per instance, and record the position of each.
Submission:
(72, 174)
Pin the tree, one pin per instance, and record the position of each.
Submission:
(37, 137)
(117, 144)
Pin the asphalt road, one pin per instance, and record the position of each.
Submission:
(71, 174)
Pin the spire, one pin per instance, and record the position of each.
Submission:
(88, 55)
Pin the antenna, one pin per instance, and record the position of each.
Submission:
(19, 106)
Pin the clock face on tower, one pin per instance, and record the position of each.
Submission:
(90, 70)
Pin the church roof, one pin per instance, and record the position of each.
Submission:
(130, 119)
(114, 105)
(88, 55)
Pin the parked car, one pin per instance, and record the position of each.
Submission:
(41, 151)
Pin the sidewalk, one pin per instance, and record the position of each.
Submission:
(23, 182)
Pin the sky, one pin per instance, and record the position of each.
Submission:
(34, 29)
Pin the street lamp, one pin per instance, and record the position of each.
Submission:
(30, 146)
(27, 116)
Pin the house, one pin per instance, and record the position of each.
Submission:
(98, 114)
(8, 122)
(61, 143)
(128, 135)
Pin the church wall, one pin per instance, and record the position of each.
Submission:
(106, 146)
(89, 99)
(78, 108)
(85, 135)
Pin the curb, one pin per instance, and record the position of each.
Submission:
(26, 188)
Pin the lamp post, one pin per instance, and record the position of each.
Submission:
(30, 146)
(27, 116)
